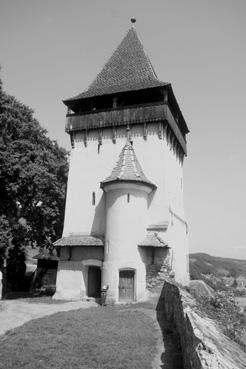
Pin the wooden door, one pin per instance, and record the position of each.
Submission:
(94, 281)
(126, 285)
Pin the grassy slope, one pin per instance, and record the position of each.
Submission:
(201, 263)
(100, 338)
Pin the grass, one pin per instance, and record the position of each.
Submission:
(96, 338)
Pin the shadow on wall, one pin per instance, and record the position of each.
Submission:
(171, 357)
(150, 197)
(98, 225)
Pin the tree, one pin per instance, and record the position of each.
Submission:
(33, 176)
(5, 236)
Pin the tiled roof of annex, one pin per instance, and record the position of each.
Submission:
(128, 169)
(79, 240)
(153, 240)
(128, 69)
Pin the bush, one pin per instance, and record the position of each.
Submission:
(240, 293)
(223, 309)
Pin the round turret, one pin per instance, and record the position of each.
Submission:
(127, 191)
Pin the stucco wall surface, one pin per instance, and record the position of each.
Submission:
(92, 163)
(204, 346)
(124, 228)
(178, 240)
(72, 278)
(69, 282)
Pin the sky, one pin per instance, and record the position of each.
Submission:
(52, 49)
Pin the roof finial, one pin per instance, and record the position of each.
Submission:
(133, 21)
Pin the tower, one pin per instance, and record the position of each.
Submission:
(124, 217)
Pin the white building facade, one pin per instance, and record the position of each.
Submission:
(124, 216)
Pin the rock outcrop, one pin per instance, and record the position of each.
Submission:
(204, 346)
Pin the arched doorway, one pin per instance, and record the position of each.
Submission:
(94, 281)
(126, 284)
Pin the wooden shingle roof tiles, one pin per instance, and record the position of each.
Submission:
(79, 240)
(128, 169)
(128, 69)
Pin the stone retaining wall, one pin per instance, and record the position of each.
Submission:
(203, 345)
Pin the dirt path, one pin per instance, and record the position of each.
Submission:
(14, 313)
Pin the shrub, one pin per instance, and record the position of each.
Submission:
(222, 308)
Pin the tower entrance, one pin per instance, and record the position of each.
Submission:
(94, 281)
(126, 285)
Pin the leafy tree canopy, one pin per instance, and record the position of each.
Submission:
(33, 176)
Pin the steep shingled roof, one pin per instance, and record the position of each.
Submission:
(127, 169)
(128, 69)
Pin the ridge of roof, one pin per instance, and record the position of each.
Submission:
(127, 69)
(128, 168)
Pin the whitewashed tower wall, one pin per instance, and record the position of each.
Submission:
(157, 156)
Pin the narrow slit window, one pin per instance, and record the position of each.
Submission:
(93, 198)
(128, 197)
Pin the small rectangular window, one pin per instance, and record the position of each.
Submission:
(93, 198)
(128, 197)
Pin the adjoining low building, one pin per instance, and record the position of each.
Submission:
(44, 279)
(124, 217)
(81, 260)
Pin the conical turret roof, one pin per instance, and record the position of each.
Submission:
(128, 169)
(128, 69)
